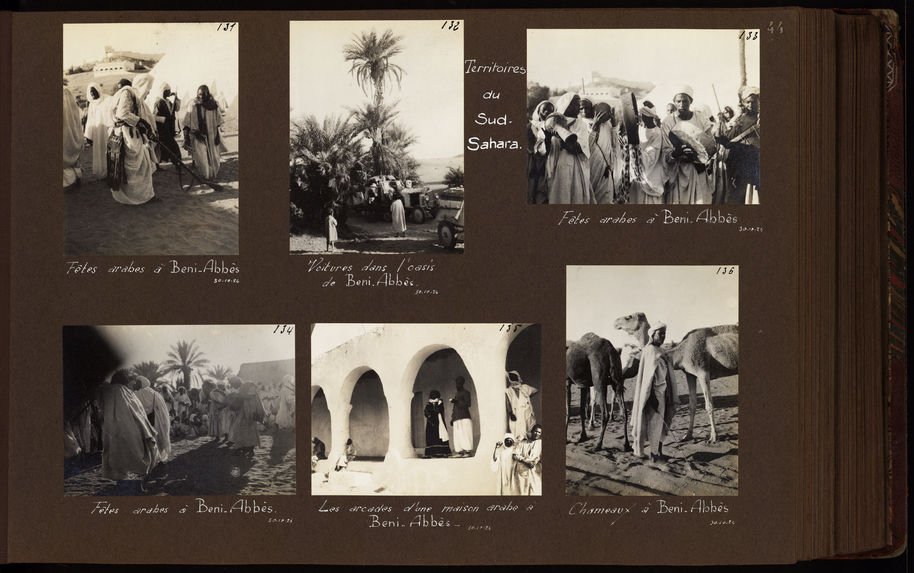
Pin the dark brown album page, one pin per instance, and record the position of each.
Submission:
(429, 285)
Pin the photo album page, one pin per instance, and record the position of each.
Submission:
(510, 256)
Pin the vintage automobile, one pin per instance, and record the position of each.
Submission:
(419, 204)
(450, 230)
(450, 198)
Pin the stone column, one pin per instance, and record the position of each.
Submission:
(339, 424)
(398, 391)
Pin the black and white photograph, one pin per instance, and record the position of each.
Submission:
(426, 409)
(651, 375)
(150, 138)
(643, 116)
(376, 137)
(179, 410)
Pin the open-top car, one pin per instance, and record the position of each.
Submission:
(450, 230)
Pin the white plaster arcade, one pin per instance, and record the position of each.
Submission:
(392, 355)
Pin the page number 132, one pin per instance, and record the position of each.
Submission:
(451, 25)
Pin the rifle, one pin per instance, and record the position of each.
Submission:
(180, 164)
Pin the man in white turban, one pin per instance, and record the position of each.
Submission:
(73, 139)
(133, 122)
(99, 121)
(568, 159)
(285, 415)
(688, 180)
(605, 154)
(503, 463)
(648, 180)
(129, 447)
(517, 401)
(165, 108)
(743, 141)
(654, 398)
(157, 414)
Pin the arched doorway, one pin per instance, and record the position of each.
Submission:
(320, 419)
(369, 425)
(524, 356)
(439, 372)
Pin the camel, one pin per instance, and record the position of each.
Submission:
(703, 354)
(630, 358)
(593, 362)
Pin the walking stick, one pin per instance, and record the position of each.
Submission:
(180, 164)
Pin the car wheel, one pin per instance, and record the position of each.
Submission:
(447, 235)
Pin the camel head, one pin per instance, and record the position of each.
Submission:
(634, 324)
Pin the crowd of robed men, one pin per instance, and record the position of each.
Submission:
(132, 131)
(133, 423)
(582, 152)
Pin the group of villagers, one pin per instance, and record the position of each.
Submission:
(133, 424)
(145, 126)
(581, 151)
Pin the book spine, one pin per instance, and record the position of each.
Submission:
(895, 282)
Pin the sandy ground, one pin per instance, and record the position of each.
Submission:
(201, 467)
(695, 467)
(364, 235)
(199, 221)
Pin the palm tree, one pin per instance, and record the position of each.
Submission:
(370, 55)
(330, 153)
(376, 122)
(397, 141)
(454, 177)
(219, 372)
(184, 357)
(149, 370)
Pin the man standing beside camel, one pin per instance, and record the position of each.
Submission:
(654, 399)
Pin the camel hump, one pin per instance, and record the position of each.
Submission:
(724, 349)
(591, 348)
(590, 338)
(706, 331)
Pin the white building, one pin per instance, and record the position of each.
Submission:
(112, 68)
(609, 89)
(374, 387)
